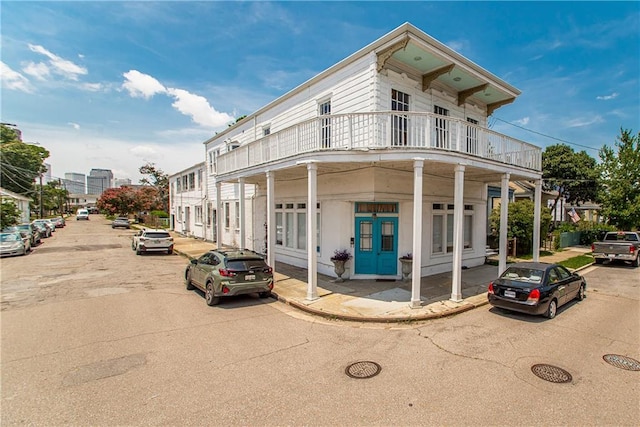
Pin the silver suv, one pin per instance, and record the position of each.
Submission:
(152, 240)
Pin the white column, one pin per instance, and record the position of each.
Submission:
(271, 220)
(312, 240)
(219, 215)
(416, 267)
(243, 242)
(504, 218)
(537, 205)
(458, 230)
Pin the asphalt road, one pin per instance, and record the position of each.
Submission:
(94, 335)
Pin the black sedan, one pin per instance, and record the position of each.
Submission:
(536, 288)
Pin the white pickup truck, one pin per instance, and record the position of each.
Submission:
(618, 245)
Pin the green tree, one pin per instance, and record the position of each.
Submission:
(521, 224)
(9, 213)
(573, 175)
(620, 174)
(158, 179)
(54, 197)
(21, 163)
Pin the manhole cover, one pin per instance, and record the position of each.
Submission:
(622, 362)
(363, 370)
(551, 373)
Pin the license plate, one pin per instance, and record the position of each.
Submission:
(250, 277)
(509, 294)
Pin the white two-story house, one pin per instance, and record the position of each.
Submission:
(187, 201)
(386, 153)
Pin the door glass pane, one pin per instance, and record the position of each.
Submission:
(436, 246)
(387, 234)
(450, 233)
(468, 231)
(302, 230)
(366, 236)
(289, 227)
(278, 228)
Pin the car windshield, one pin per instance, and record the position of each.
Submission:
(246, 264)
(522, 274)
(122, 219)
(9, 237)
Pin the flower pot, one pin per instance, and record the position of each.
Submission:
(338, 268)
(407, 267)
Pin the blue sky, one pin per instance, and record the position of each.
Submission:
(114, 85)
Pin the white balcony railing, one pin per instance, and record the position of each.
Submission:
(382, 130)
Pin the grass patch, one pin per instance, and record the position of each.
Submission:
(577, 261)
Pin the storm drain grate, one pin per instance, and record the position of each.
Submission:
(622, 362)
(362, 370)
(551, 373)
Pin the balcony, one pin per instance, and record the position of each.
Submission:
(382, 131)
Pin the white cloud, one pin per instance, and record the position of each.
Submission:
(456, 45)
(13, 80)
(198, 108)
(140, 85)
(522, 122)
(585, 121)
(92, 87)
(74, 125)
(40, 70)
(145, 152)
(607, 97)
(59, 65)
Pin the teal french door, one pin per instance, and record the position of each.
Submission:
(376, 245)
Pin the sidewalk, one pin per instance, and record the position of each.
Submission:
(373, 300)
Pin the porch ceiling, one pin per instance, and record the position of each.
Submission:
(467, 79)
(431, 169)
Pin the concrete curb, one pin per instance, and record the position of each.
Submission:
(391, 319)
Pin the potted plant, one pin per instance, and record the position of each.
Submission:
(339, 258)
(407, 265)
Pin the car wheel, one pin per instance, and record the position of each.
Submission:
(264, 294)
(551, 310)
(138, 252)
(581, 295)
(187, 281)
(637, 263)
(209, 297)
(169, 251)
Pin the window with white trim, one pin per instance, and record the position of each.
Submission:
(192, 180)
(441, 127)
(198, 214)
(291, 225)
(442, 228)
(199, 179)
(399, 124)
(324, 109)
(226, 215)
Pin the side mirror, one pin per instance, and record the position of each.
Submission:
(194, 261)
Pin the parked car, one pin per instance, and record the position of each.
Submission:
(82, 214)
(536, 288)
(58, 221)
(618, 246)
(46, 224)
(93, 210)
(121, 221)
(27, 230)
(24, 235)
(43, 228)
(152, 240)
(12, 243)
(228, 273)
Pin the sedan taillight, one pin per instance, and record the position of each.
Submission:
(491, 288)
(534, 296)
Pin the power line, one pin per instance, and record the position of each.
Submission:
(547, 136)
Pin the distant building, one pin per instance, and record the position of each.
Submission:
(75, 182)
(99, 180)
(121, 182)
(46, 177)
